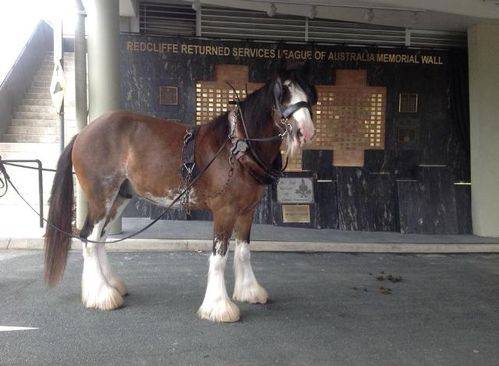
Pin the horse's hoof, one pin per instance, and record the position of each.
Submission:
(219, 311)
(104, 297)
(254, 294)
(118, 284)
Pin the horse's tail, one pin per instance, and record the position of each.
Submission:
(57, 242)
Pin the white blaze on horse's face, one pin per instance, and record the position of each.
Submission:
(304, 123)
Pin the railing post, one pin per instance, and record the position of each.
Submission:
(40, 189)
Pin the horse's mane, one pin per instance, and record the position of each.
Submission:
(257, 107)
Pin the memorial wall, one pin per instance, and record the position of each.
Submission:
(391, 151)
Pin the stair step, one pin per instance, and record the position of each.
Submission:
(45, 74)
(26, 107)
(41, 80)
(42, 76)
(46, 67)
(38, 95)
(34, 122)
(34, 115)
(39, 130)
(8, 137)
(39, 101)
(39, 89)
(42, 84)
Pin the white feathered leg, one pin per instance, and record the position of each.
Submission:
(108, 273)
(216, 304)
(110, 277)
(96, 292)
(247, 288)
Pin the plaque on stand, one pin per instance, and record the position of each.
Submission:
(294, 200)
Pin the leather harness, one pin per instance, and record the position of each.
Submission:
(241, 149)
(189, 169)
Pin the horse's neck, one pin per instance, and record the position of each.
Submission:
(266, 150)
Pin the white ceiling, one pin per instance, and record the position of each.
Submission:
(455, 15)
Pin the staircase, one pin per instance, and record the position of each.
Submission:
(35, 120)
(33, 133)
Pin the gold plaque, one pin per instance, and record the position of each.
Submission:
(296, 213)
(349, 118)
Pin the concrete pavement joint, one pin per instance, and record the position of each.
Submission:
(182, 245)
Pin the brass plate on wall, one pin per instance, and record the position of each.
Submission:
(168, 95)
(350, 118)
(296, 214)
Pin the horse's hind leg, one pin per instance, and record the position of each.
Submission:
(116, 210)
(98, 291)
(246, 288)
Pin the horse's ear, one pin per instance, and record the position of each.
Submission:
(307, 67)
(278, 68)
(277, 89)
(307, 70)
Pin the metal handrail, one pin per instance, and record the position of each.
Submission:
(40, 181)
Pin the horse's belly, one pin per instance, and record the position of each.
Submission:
(170, 199)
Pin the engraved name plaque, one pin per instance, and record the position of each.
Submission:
(296, 214)
(295, 190)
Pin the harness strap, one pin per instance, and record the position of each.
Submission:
(288, 112)
(242, 152)
(188, 169)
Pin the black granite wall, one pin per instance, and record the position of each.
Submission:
(392, 192)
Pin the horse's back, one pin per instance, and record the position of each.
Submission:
(120, 145)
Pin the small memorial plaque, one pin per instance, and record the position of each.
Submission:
(296, 214)
(295, 190)
(168, 95)
(408, 103)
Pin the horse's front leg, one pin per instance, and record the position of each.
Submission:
(216, 304)
(246, 287)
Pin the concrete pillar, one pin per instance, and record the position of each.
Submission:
(483, 50)
(81, 100)
(103, 61)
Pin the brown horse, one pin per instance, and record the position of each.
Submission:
(122, 153)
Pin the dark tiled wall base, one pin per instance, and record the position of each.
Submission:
(463, 208)
(428, 205)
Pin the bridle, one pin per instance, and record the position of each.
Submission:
(287, 112)
(240, 145)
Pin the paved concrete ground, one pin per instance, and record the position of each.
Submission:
(202, 230)
(326, 309)
(171, 229)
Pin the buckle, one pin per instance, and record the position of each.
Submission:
(189, 168)
(240, 146)
(188, 135)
